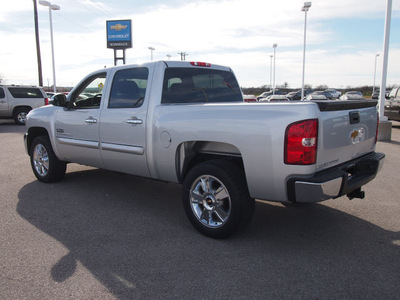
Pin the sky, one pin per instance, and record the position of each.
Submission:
(343, 38)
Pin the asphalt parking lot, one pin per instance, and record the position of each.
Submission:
(105, 235)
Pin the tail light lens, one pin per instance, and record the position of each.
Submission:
(301, 142)
(46, 101)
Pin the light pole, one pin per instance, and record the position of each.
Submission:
(151, 51)
(373, 87)
(169, 56)
(274, 46)
(51, 7)
(305, 8)
(270, 72)
(183, 55)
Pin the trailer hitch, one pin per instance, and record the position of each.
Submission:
(358, 193)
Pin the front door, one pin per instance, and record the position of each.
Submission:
(77, 128)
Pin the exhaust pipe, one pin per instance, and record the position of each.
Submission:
(358, 193)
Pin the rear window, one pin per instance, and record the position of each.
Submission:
(17, 92)
(192, 85)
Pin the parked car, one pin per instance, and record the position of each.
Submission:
(392, 105)
(16, 101)
(352, 97)
(333, 93)
(313, 96)
(317, 95)
(375, 95)
(274, 98)
(350, 94)
(249, 98)
(269, 93)
(394, 93)
(294, 95)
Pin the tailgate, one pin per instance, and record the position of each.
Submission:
(347, 131)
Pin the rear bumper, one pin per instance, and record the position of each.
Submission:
(337, 181)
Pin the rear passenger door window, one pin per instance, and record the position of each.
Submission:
(128, 88)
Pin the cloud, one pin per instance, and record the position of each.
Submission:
(236, 33)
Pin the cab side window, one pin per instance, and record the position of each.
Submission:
(2, 95)
(128, 88)
(90, 93)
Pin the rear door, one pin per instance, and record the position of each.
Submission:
(123, 120)
(347, 131)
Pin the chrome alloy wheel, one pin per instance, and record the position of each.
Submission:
(41, 160)
(22, 117)
(210, 201)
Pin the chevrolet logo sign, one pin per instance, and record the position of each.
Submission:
(118, 27)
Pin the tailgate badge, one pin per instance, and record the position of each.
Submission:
(357, 135)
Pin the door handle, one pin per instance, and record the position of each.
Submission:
(134, 121)
(90, 120)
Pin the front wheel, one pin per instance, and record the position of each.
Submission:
(45, 165)
(216, 199)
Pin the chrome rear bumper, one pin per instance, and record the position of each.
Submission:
(337, 181)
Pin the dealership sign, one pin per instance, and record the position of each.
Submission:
(119, 34)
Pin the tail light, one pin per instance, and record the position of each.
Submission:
(301, 142)
(46, 101)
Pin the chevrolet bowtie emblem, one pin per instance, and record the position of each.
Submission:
(118, 27)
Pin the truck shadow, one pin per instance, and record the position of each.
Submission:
(132, 235)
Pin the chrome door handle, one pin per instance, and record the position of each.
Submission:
(134, 121)
(90, 120)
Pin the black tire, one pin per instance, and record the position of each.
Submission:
(45, 165)
(20, 115)
(216, 198)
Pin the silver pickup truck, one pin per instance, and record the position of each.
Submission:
(186, 122)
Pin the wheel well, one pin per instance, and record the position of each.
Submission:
(35, 132)
(21, 107)
(192, 153)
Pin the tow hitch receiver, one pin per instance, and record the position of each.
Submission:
(358, 193)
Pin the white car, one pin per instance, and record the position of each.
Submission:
(17, 101)
(334, 93)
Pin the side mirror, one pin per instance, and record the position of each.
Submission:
(59, 100)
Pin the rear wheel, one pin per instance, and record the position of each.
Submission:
(45, 165)
(216, 198)
(20, 115)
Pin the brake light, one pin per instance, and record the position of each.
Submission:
(200, 64)
(46, 101)
(301, 142)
